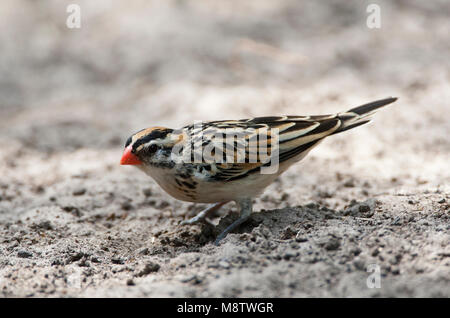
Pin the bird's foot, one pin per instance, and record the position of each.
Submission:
(202, 216)
(246, 209)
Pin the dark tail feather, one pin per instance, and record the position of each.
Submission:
(366, 108)
(361, 115)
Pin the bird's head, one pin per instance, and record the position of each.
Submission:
(149, 147)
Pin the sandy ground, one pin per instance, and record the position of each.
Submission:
(75, 223)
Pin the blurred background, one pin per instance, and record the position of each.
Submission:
(75, 95)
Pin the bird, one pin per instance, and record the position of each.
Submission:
(217, 162)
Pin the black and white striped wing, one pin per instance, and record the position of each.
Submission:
(288, 137)
(257, 139)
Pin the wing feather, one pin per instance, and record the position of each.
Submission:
(297, 135)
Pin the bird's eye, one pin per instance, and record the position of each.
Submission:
(152, 148)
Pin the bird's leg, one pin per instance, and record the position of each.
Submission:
(204, 213)
(245, 207)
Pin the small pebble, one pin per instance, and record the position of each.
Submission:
(24, 254)
(117, 261)
(333, 244)
(349, 184)
(127, 206)
(300, 239)
(79, 191)
(148, 268)
(147, 192)
(359, 264)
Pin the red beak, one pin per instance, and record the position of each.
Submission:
(128, 158)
